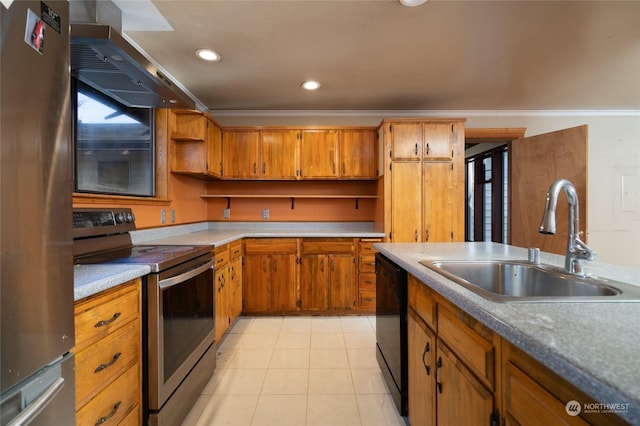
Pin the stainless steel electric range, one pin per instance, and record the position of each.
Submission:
(178, 309)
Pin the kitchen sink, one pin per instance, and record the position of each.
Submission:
(520, 281)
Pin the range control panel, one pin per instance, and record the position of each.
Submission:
(95, 222)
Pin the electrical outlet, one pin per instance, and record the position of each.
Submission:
(226, 213)
(173, 215)
(265, 214)
(163, 216)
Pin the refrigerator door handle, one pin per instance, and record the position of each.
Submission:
(32, 410)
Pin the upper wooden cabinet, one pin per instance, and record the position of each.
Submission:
(241, 154)
(421, 140)
(279, 154)
(319, 154)
(197, 144)
(424, 168)
(358, 154)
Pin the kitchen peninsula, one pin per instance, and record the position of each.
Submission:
(593, 346)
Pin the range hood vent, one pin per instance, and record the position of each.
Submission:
(103, 59)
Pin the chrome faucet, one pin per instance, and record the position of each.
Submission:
(576, 249)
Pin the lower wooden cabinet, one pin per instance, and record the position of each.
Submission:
(108, 357)
(451, 363)
(462, 373)
(269, 277)
(328, 274)
(228, 286)
(367, 274)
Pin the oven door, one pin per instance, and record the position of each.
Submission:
(180, 313)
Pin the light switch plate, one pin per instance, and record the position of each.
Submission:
(265, 214)
(226, 213)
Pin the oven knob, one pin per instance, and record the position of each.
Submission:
(120, 218)
(129, 217)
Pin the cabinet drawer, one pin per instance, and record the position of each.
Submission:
(270, 246)
(367, 299)
(366, 246)
(235, 249)
(421, 298)
(114, 403)
(367, 282)
(100, 315)
(367, 264)
(221, 256)
(102, 362)
(463, 335)
(327, 245)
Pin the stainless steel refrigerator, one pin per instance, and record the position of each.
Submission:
(36, 269)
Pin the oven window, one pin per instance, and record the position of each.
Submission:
(187, 311)
(114, 145)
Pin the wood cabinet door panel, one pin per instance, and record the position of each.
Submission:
(279, 154)
(421, 364)
(437, 141)
(358, 154)
(342, 278)
(283, 282)
(319, 154)
(461, 398)
(436, 198)
(235, 274)
(406, 203)
(327, 245)
(314, 288)
(241, 154)
(406, 141)
(214, 148)
(270, 245)
(257, 278)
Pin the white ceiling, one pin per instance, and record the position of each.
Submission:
(379, 55)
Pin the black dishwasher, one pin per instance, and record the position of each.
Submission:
(391, 329)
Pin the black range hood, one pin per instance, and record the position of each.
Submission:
(103, 59)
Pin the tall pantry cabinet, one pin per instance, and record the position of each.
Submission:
(423, 180)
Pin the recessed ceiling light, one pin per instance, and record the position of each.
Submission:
(412, 3)
(208, 55)
(310, 85)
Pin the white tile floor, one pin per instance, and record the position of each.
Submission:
(298, 371)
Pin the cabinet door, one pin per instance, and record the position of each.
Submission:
(358, 154)
(283, 282)
(214, 148)
(342, 281)
(314, 287)
(437, 201)
(235, 297)
(319, 154)
(222, 302)
(241, 154)
(406, 201)
(461, 398)
(406, 141)
(279, 153)
(437, 141)
(257, 278)
(421, 360)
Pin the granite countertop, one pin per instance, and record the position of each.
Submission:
(92, 279)
(593, 345)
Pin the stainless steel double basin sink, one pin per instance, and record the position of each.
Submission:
(520, 281)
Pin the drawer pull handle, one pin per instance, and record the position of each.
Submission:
(427, 349)
(101, 367)
(102, 323)
(113, 412)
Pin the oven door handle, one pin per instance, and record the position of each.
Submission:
(169, 282)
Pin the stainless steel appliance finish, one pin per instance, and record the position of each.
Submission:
(178, 305)
(36, 292)
(391, 329)
(103, 59)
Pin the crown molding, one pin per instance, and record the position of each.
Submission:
(427, 113)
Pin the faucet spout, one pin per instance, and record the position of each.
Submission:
(576, 249)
